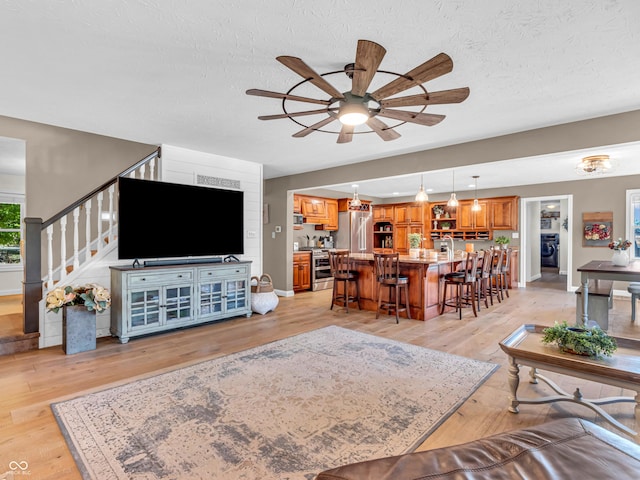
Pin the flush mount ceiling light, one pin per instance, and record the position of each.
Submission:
(355, 202)
(421, 196)
(453, 201)
(476, 206)
(594, 165)
(359, 107)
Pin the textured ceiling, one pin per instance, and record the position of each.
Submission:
(175, 72)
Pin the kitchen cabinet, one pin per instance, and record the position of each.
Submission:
(407, 213)
(155, 299)
(401, 236)
(297, 204)
(332, 215)
(314, 209)
(344, 204)
(503, 213)
(383, 213)
(470, 220)
(301, 271)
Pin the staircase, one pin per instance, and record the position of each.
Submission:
(69, 241)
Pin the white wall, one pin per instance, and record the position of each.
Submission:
(180, 165)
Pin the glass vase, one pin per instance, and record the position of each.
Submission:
(620, 258)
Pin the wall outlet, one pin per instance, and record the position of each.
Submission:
(251, 234)
(278, 229)
(515, 235)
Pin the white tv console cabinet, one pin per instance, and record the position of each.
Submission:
(159, 298)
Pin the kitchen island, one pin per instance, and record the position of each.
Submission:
(425, 288)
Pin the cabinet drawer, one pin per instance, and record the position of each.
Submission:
(139, 279)
(223, 272)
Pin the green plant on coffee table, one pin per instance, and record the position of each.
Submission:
(581, 341)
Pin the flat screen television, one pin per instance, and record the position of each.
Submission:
(159, 220)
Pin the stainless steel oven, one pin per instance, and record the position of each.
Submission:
(321, 278)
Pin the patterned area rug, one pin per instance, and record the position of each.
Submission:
(285, 410)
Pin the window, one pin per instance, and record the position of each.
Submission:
(633, 222)
(11, 213)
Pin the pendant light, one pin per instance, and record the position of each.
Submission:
(421, 196)
(476, 206)
(453, 201)
(355, 202)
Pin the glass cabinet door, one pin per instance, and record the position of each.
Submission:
(145, 308)
(211, 298)
(178, 303)
(236, 294)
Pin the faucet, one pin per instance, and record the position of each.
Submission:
(449, 250)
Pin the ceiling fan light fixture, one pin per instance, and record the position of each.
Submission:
(353, 112)
(421, 196)
(476, 206)
(594, 165)
(453, 201)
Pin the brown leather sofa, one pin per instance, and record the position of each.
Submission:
(561, 449)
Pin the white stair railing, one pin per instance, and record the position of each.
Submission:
(95, 238)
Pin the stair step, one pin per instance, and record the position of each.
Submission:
(18, 343)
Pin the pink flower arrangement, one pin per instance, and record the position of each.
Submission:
(619, 244)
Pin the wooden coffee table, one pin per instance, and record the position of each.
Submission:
(524, 347)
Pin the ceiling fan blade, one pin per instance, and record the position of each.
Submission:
(266, 93)
(294, 114)
(308, 73)
(437, 66)
(346, 134)
(314, 127)
(368, 57)
(456, 95)
(382, 129)
(428, 119)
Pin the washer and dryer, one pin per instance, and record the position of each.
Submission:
(549, 243)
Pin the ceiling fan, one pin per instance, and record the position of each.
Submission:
(358, 106)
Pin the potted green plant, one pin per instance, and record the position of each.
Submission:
(580, 340)
(502, 241)
(414, 244)
(445, 225)
(438, 210)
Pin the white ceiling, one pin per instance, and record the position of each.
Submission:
(175, 72)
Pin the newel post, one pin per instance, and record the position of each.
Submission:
(32, 284)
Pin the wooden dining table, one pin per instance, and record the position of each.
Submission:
(604, 270)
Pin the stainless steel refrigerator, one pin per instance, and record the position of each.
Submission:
(355, 231)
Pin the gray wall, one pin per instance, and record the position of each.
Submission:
(63, 165)
(589, 195)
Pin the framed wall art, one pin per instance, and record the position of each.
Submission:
(597, 229)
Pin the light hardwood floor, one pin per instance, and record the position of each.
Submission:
(31, 381)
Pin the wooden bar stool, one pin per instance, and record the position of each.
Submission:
(464, 283)
(494, 275)
(483, 287)
(387, 271)
(505, 272)
(343, 273)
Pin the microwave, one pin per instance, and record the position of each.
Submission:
(298, 219)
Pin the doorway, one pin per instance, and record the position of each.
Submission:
(12, 193)
(546, 242)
